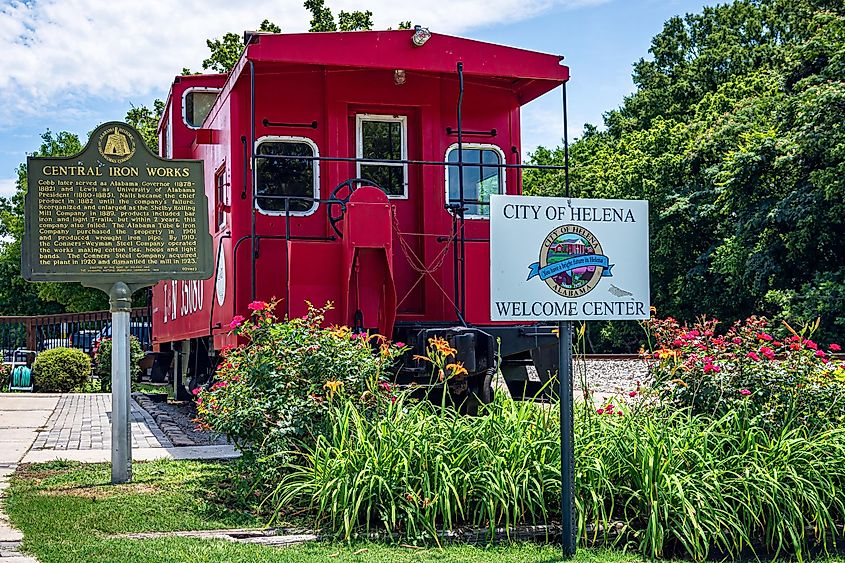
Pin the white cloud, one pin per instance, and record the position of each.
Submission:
(58, 55)
(7, 187)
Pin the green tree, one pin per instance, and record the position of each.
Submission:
(735, 137)
(226, 51)
(146, 120)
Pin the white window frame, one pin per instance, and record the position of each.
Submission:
(185, 105)
(315, 193)
(476, 146)
(359, 146)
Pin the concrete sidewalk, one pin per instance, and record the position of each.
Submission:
(45, 427)
(21, 418)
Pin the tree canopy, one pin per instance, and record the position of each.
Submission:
(736, 136)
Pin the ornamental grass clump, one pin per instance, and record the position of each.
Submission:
(660, 481)
(272, 393)
(777, 374)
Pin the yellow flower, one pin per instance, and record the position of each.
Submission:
(457, 369)
(333, 386)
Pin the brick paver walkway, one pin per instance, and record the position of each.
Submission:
(83, 422)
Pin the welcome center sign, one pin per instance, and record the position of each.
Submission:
(562, 259)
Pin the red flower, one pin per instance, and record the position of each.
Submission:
(385, 385)
(237, 321)
(711, 368)
(736, 340)
(744, 392)
(794, 346)
(257, 306)
(820, 354)
(768, 352)
(811, 345)
(678, 342)
(764, 336)
(753, 356)
(835, 347)
(599, 411)
(632, 394)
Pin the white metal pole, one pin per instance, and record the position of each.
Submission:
(120, 299)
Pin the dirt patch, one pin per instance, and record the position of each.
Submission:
(94, 492)
(38, 471)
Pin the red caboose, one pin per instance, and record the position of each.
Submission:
(356, 168)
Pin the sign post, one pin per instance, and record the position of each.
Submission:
(118, 218)
(563, 260)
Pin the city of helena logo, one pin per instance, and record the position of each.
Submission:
(571, 261)
(116, 144)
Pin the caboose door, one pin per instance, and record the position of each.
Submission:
(382, 143)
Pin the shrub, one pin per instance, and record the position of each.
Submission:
(102, 361)
(61, 369)
(779, 378)
(274, 390)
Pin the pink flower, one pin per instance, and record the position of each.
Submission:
(599, 411)
(219, 385)
(820, 354)
(744, 392)
(736, 340)
(811, 345)
(399, 344)
(753, 356)
(619, 413)
(237, 321)
(257, 306)
(678, 342)
(764, 336)
(711, 368)
(835, 347)
(385, 385)
(632, 394)
(768, 352)
(196, 390)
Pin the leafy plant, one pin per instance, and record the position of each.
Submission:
(273, 392)
(779, 376)
(61, 369)
(102, 361)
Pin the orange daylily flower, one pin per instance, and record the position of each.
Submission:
(457, 369)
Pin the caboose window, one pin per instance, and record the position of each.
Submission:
(384, 137)
(286, 178)
(197, 104)
(482, 177)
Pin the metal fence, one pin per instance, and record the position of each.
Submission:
(70, 330)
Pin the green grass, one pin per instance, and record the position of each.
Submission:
(68, 512)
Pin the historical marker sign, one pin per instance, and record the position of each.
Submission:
(116, 217)
(567, 259)
(116, 212)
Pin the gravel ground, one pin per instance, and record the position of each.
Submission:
(183, 413)
(610, 376)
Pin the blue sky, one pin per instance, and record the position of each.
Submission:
(71, 64)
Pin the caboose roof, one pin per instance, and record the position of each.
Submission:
(528, 73)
